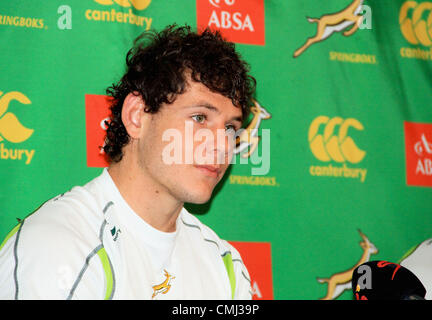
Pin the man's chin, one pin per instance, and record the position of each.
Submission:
(198, 196)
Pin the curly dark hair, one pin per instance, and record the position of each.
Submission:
(156, 70)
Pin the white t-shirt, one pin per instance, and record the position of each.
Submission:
(89, 244)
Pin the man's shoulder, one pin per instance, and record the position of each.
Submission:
(229, 256)
(72, 217)
(49, 248)
(191, 222)
(78, 203)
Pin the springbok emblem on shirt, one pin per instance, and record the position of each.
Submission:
(164, 286)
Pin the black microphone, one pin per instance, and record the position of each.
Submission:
(383, 280)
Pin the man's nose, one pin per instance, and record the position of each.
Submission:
(222, 146)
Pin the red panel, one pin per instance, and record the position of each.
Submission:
(240, 21)
(97, 111)
(257, 259)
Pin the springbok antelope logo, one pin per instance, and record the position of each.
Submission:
(330, 23)
(341, 281)
(137, 4)
(248, 138)
(164, 286)
(10, 128)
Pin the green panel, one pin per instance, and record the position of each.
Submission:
(311, 221)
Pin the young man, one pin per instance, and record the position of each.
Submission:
(125, 234)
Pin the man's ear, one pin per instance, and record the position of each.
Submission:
(133, 116)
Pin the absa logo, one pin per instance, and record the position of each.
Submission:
(418, 153)
(238, 21)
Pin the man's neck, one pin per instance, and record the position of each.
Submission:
(148, 200)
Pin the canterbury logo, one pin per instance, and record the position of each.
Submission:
(11, 128)
(137, 4)
(248, 138)
(415, 26)
(329, 146)
(164, 286)
(330, 23)
(339, 282)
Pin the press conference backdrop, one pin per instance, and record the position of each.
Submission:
(343, 164)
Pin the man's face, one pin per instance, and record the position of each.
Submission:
(189, 145)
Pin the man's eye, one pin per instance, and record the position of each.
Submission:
(200, 118)
(229, 128)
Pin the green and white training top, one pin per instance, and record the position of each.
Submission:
(89, 244)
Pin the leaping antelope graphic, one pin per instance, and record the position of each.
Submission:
(330, 23)
(341, 281)
(249, 136)
(164, 286)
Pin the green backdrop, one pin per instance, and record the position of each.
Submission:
(54, 55)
